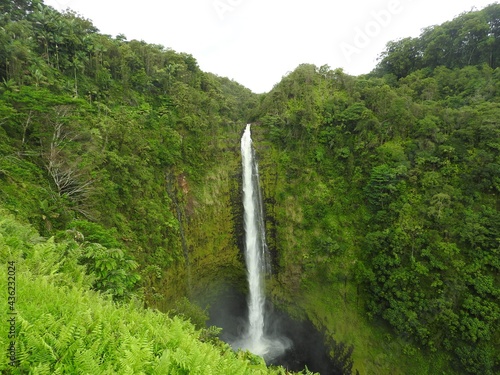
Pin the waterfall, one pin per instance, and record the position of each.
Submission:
(257, 262)
(254, 244)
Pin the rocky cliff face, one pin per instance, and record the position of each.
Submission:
(211, 232)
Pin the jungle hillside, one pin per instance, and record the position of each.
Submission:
(120, 201)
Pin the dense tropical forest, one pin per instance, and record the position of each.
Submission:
(120, 201)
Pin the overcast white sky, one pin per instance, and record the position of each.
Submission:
(256, 42)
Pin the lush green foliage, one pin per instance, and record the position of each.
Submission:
(63, 328)
(382, 196)
(473, 38)
(109, 147)
(388, 190)
(111, 139)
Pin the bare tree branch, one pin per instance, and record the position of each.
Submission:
(68, 180)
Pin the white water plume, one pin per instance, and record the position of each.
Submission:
(255, 339)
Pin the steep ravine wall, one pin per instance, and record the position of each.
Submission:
(210, 227)
(323, 288)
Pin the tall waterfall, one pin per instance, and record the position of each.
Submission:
(255, 338)
(254, 245)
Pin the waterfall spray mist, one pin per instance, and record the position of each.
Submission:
(255, 338)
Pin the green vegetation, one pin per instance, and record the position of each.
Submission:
(64, 328)
(381, 195)
(469, 40)
(115, 140)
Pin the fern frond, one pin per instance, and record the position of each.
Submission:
(86, 363)
(41, 369)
